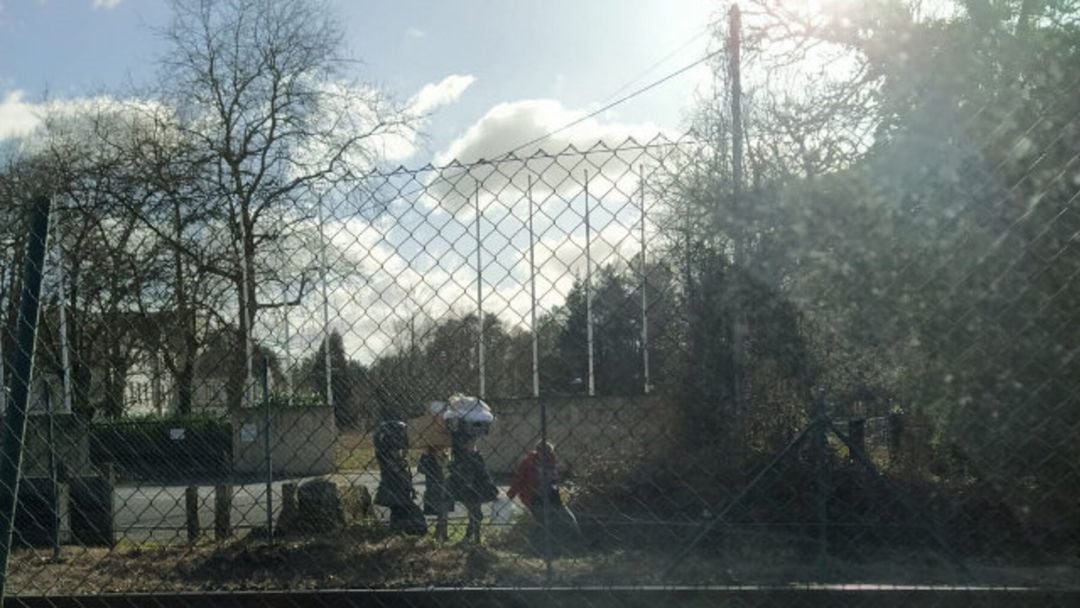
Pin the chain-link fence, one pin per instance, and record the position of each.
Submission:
(606, 366)
(586, 298)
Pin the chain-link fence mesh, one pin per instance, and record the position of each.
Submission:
(288, 395)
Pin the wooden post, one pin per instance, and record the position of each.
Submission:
(223, 494)
(857, 435)
(288, 506)
(191, 504)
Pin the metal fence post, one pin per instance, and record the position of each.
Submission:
(22, 365)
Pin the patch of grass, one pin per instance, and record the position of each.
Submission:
(354, 451)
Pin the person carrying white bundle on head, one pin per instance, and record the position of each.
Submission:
(470, 483)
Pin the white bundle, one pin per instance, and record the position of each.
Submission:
(463, 407)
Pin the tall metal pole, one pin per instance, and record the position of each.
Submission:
(735, 52)
(545, 495)
(479, 304)
(739, 319)
(268, 448)
(288, 346)
(588, 290)
(644, 292)
(65, 345)
(532, 298)
(245, 312)
(329, 374)
(22, 365)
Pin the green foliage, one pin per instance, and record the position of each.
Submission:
(346, 380)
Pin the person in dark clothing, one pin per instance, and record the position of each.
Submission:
(470, 481)
(395, 489)
(437, 500)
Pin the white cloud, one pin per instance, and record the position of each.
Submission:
(509, 125)
(70, 119)
(351, 108)
(17, 118)
(437, 94)
(106, 4)
(402, 144)
(415, 32)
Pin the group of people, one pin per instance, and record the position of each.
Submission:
(464, 478)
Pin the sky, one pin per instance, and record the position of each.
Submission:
(492, 75)
(540, 63)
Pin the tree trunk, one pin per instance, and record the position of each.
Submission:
(240, 370)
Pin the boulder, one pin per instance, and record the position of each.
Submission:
(356, 504)
(318, 507)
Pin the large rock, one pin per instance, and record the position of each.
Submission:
(318, 507)
(356, 504)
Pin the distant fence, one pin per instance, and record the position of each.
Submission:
(580, 427)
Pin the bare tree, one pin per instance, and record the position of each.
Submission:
(261, 88)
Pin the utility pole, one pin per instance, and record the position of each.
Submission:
(739, 322)
(735, 57)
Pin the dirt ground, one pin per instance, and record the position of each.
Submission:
(366, 558)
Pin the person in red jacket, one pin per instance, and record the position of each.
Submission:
(537, 472)
(535, 482)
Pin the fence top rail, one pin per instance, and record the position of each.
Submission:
(659, 141)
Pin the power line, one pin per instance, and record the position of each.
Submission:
(705, 30)
(617, 102)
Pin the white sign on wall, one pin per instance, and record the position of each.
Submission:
(248, 432)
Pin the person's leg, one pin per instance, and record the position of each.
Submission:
(397, 518)
(476, 516)
(566, 523)
(537, 538)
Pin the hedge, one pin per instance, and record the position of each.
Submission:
(164, 449)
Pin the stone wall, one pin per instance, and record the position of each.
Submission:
(584, 430)
(302, 441)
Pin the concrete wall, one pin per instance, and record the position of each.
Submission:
(584, 430)
(302, 441)
(71, 439)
